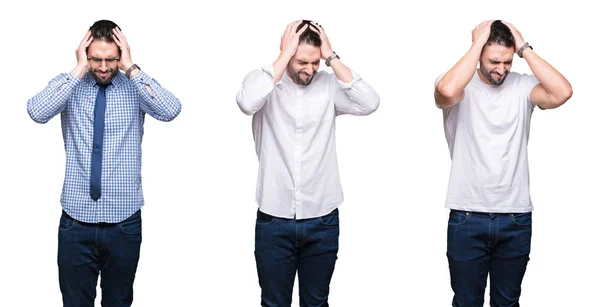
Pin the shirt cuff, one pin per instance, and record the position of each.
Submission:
(355, 77)
(69, 77)
(66, 78)
(141, 77)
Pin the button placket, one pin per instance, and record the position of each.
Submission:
(298, 151)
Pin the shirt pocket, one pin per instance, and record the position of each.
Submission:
(122, 112)
(320, 107)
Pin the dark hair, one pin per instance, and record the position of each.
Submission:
(501, 35)
(102, 30)
(309, 36)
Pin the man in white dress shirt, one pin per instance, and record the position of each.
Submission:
(298, 191)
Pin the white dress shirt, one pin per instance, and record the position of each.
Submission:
(294, 133)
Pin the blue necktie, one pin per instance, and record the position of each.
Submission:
(99, 108)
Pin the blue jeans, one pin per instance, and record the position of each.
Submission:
(283, 246)
(85, 250)
(482, 243)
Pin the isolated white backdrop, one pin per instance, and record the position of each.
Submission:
(199, 171)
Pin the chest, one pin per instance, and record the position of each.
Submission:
(305, 106)
(121, 107)
(493, 108)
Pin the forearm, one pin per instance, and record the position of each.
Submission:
(156, 101)
(450, 90)
(53, 99)
(341, 71)
(280, 66)
(80, 70)
(556, 85)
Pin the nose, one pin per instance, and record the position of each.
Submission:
(309, 70)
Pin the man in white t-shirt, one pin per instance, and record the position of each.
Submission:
(487, 113)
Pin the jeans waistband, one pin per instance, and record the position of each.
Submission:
(490, 213)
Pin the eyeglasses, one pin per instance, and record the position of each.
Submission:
(98, 61)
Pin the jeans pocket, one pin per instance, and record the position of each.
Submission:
(132, 225)
(263, 218)
(331, 219)
(458, 217)
(521, 219)
(66, 222)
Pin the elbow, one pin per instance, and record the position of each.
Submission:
(446, 92)
(246, 105)
(443, 104)
(35, 115)
(171, 116)
(246, 109)
(372, 106)
(172, 113)
(561, 98)
(445, 97)
(567, 94)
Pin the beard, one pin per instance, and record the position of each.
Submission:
(104, 81)
(488, 75)
(297, 76)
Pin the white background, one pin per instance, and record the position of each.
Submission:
(199, 171)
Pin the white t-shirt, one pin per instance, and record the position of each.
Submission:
(487, 134)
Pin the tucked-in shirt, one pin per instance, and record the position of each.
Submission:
(127, 102)
(294, 134)
(487, 134)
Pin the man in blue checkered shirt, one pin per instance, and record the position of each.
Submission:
(102, 103)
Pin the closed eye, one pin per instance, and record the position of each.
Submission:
(498, 62)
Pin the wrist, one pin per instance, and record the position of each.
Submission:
(80, 70)
(132, 70)
(478, 45)
(331, 58)
(522, 49)
(286, 56)
(125, 65)
(283, 59)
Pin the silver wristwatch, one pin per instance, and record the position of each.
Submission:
(331, 58)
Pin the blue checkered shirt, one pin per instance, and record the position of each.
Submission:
(127, 102)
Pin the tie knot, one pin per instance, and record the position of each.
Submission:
(104, 86)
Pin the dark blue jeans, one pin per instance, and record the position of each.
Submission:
(86, 250)
(283, 246)
(488, 243)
